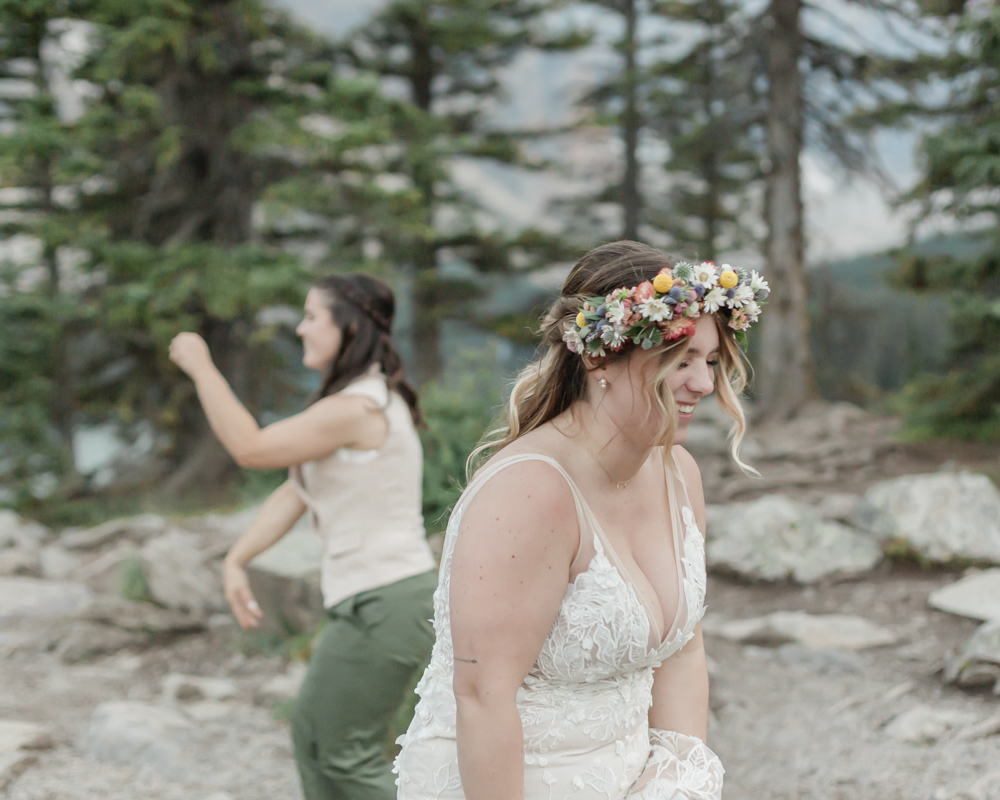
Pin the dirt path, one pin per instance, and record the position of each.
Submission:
(787, 722)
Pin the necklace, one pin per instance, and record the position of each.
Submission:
(618, 484)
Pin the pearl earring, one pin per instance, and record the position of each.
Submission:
(603, 383)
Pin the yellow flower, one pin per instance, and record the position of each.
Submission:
(729, 279)
(663, 283)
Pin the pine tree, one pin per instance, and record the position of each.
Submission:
(41, 159)
(447, 56)
(960, 173)
(704, 106)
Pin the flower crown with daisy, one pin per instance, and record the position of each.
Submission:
(664, 309)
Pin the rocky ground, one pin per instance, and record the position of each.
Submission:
(102, 697)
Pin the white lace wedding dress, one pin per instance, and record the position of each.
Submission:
(584, 705)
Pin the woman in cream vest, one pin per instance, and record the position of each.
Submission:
(355, 466)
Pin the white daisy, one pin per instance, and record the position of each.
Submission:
(615, 312)
(752, 310)
(757, 282)
(656, 310)
(742, 294)
(613, 336)
(573, 340)
(706, 274)
(714, 300)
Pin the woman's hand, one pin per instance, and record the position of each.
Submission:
(189, 352)
(237, 589)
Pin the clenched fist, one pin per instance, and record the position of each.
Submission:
(189, 352)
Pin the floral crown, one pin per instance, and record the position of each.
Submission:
(664, 309)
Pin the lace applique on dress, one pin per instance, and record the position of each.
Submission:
(584, 705)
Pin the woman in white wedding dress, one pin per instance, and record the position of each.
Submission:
(569, 660)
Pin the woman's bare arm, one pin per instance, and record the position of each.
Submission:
(680, 684)
(331, 423)
(509, 575)
(276, 517)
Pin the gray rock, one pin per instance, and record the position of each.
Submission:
(923, 724)
(13, 766)
(179, 688)
(141, 735)
(822, 631)
(980, 730)
(33, 597)
(177, 575)
(145, 617)
(282, 687)
(20, 561)
(774, 538)
(139, 529)
(104, 575)
(89, 640)
(18, 532)
(942, 517)
(977, 661)
(825, 660)
(19, 735)
(57, 562)
(837, 506)
(285, 580)
(976, 596)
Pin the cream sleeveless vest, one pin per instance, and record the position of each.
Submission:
(365, 505)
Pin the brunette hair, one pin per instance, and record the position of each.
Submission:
(363, 307)
(558, 377)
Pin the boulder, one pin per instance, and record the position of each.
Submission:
(19, 735)
(941, 517)
(177, 575)
(105, 574)
(18, 743)
(179, 688)
(18, 532)
(33, 597)
(286, 583)
(139, 529)
(976, 596)
(774, 538)
(89, 640)
(284, 687)
(57, 562)
(13, 766)
(144, 617)
(923, 724)
(20, 561)
(825, 631)
(141, 735)
(977, 661)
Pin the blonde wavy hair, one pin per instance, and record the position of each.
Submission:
(558, 378)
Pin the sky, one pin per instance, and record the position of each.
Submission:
(846, 215)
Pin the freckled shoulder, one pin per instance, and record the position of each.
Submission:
(529, 495)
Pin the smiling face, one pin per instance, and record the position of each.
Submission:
(626, 397)
(694, 377)
(321, 336)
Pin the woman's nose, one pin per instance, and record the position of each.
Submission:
(702, 379)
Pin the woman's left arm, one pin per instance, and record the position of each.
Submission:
(680, 764)
(329, 424)
(680, 684)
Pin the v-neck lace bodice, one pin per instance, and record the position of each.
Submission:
(584, 704)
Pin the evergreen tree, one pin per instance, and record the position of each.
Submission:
(446, 55)
(42, 161)
(959, 166)
(704, 106)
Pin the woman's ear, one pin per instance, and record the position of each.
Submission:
(592, 363)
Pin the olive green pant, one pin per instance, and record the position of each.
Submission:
(360, 669)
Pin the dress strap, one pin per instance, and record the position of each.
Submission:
(482, 477)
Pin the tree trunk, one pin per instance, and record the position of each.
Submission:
(426, 316)
(786, 379)
(631, 123)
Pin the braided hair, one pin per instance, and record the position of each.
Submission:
(363, 307)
